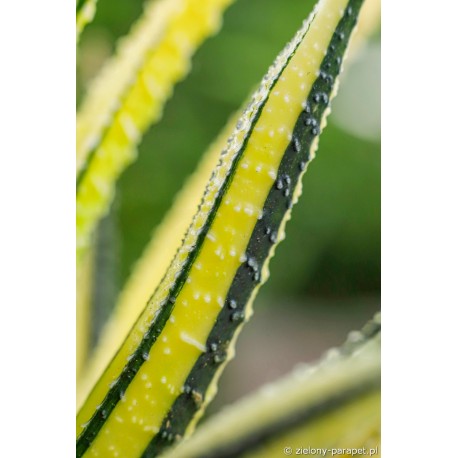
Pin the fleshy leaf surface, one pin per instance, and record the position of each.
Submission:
(164, 374)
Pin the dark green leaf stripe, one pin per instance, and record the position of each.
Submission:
(344, 381)
(118, 389)
(265, 234)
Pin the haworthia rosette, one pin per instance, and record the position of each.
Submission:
(129, 95)
(164, 374)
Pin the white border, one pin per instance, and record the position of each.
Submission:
(37, 256)
(419, 229)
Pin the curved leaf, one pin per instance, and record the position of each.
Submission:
(165, 373)
(334, 404)
(129, 95)
(150, 268)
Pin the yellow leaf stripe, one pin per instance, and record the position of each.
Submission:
(129, 95)
(85, 12)
(154, 261)
(160, 380)
(333, 404)
(167, 238)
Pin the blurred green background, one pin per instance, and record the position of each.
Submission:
(325, 277)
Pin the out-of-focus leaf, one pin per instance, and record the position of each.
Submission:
(85, 12)
(129, 95)
(331, 405)
(83, 309)
(149, 269)
(159, 382)
(337, 227)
